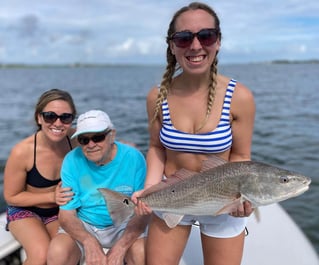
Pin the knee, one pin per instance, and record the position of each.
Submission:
(36, 256)
(62, 250)
(136, 253)
(55, 252)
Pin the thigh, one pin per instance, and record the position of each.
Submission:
(30, 230)
(165, 245)
(136, 253)
(223, 251)
(53, 228)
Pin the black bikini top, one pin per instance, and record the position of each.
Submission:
(34, 178)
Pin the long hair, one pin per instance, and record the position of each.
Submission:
(172, 67)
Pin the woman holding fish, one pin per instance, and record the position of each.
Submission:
(194, 114)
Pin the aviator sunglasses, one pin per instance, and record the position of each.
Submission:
(96, 138)
(184, 39)
(51, 117)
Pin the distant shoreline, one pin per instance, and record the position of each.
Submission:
(85, 65)
(313, 61)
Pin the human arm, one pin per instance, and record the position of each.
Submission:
(74, 227)
(155, 157)
(243, 114)
(135, 227)
(15, 174)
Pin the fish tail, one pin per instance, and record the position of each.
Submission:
(120, 206)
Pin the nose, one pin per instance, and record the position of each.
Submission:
(91, 143)
(196, 45)
(58, 122)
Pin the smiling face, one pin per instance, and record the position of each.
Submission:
(55, 130)
(196, 58)
(96, 148)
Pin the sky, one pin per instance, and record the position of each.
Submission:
(134, 31)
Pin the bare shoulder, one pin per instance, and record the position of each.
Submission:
(22, 153)
(243, 93)
(23, 148)
(152, 94)
(243, 103)
(151, 99)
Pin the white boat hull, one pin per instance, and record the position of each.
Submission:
(275, 240)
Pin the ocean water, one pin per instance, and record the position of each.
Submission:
(286, 128)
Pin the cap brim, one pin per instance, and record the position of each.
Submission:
(86, 131)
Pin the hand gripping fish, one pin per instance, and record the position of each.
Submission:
(218, 189)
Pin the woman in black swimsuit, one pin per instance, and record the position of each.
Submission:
(32, 175)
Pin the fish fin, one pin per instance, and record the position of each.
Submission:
(120, 206)
(178, 176)
(212, 161)
(228, 208)
(182, 174)
(159, 186)
(171, 219)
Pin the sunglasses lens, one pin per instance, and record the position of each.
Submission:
(84, 140)
(51, 117)
(98, 138)
(183, 39)
(66, 118)
(207, 37)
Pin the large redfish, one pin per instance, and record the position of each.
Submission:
(218, 189)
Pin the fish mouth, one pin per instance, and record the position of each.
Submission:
(303, 189)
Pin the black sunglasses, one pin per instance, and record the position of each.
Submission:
(184, 39)
(96, 138)
(51, 117)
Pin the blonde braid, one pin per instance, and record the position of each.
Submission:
(211, 92)
(171, 62)
(166, 82)
(212, 86)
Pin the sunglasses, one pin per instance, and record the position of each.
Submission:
(51, 117)
(184, 39)
(96, 138)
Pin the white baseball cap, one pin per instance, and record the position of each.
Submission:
(92, 121)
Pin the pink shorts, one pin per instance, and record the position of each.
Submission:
(45, 215)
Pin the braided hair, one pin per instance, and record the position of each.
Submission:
(172, 65)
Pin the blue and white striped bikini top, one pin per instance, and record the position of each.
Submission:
(216, 141)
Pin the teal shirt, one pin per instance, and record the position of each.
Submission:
(125, 173)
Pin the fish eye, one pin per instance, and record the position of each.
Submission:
(284, 179)
(126, 201)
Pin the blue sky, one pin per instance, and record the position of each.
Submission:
(133, 31)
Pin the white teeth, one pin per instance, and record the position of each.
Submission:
(196, 58)
(56, 130)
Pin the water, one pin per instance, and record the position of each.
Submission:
(286, 128)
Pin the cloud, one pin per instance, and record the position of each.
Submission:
(56, 31)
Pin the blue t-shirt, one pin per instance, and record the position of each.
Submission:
(125, 173)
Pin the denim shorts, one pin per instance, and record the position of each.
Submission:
(220, 226)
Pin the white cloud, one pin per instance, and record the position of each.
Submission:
(127, 30)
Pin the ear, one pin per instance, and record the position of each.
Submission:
(172, 47)
(39, 119)
(218, 45)
(112, 134)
